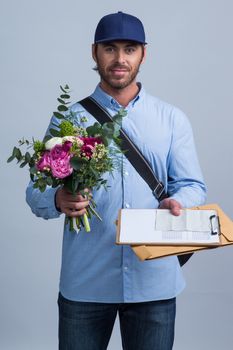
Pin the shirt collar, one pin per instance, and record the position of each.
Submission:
(109, 102)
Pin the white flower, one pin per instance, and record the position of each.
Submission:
(68, 138)
(73, 139)
(53, 142)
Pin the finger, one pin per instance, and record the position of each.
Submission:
(70, 198)
(81, 198)
(165, 204)
(80, 205)
(74, 213)
(83, 195)
(86, 193)
(175, 207)
(76, 205)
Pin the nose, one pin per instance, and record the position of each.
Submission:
(120, 56)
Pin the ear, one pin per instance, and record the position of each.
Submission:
(144, 54)
(94, 49)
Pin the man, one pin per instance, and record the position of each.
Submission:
(98, 278)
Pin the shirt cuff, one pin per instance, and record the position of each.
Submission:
(42, 204)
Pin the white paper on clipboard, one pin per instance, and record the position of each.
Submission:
(159, 226)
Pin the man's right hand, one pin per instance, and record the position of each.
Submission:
(171, 204)
(69, 204)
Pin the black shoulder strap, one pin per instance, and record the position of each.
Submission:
(134, 155)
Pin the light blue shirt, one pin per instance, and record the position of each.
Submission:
(93, 267)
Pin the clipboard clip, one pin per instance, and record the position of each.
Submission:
(215, 229)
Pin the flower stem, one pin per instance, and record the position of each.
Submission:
(88, 212)
(78, 224)
(86, 223)
(71, 224)
(94, 212)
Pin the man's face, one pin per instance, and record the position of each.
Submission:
(118, 62)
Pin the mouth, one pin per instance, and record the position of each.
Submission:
(118, 71)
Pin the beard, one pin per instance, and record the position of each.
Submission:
(117, 83)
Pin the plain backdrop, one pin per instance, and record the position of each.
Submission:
(189, 64)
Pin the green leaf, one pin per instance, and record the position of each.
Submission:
(33, 170)
(94, 129)
(62, 101)
(42, 188)
(116, 126)
(62, 89)
(10, 158)
(54, 132)
(117, 119)
(58, 115)
(75, 184)
(32, 162)
(41, 184)
(55, 183)
(49, 181)
(35, 185)
(76, 163)
(18, 154)
(62, 108)
(27, 157)
(69, 184)
(108, 130)
(46, 138)
(122, 113)
(23, 164)
(14, 152)
(65, 96)
(116, 134)
(106, 141)
(93, 171)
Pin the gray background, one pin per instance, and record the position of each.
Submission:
(189, 64)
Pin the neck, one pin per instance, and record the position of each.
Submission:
(122, 96)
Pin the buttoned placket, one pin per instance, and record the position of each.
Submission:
(127, 274)
(126, 203)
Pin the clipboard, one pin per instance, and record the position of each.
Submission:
(160, 227)
(148, 252)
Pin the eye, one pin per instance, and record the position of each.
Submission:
(109, 49)
(130, 49)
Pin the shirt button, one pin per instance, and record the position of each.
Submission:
(125, 268)
(126, 173)
(127, 205)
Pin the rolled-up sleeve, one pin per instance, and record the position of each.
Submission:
(42, 204)
(185, 180)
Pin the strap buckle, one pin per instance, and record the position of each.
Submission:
(158, 191)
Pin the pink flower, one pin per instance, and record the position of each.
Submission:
(91, 141)
(61, 167)
(60, 160)
(87, 151)
(89, 144)
(44, 162)
(61, 151)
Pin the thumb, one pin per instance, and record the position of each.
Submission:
(175, 207)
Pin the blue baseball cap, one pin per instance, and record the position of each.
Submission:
(119, 26)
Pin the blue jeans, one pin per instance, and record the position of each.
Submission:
(144, 326)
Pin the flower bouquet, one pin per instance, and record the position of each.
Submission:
(73, 156)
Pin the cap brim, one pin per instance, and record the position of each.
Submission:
(106, 40)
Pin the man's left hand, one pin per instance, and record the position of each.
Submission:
(172, 205)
